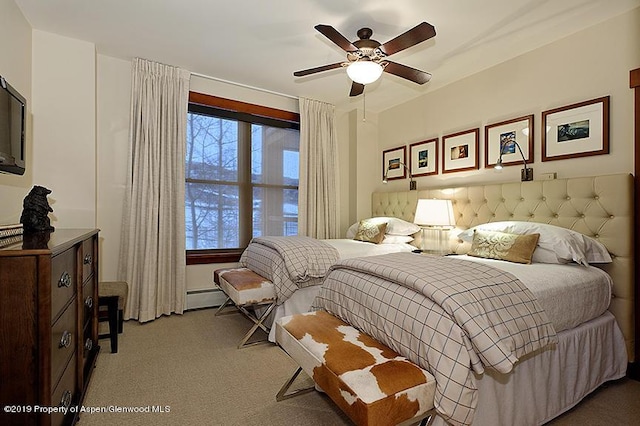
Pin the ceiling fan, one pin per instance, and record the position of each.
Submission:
(366, 58)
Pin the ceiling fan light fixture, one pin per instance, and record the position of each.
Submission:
(364, 72)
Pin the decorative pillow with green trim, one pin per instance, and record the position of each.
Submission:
(502, 246)
(370, 231)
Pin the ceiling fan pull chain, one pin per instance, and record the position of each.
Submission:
(364, 106)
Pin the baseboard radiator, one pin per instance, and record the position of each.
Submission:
(207, 298)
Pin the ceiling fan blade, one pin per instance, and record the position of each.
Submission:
(409, 73)
(415, 35)
(332, 34)
(356, 89)
(317, 69)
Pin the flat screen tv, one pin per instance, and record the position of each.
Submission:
(13, 113)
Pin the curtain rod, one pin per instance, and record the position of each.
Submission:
(246, 86)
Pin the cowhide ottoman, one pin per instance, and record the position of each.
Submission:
(247, 291)
(371, 383)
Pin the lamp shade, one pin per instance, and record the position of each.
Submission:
(364, 72)
(432, 212)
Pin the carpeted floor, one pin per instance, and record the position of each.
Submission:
(188, 368)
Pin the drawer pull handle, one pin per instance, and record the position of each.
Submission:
(88, 302)
(88, 259)
(88, 344)
(65, 280)
(65, 340)
(65, 401)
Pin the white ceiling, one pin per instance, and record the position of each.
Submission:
(260, 43)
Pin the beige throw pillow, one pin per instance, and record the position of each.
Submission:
(503, 246)
(370, 231)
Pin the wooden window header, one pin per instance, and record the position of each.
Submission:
(239, 106)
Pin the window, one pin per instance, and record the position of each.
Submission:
(241, 178)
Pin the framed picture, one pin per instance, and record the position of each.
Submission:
(504, 136)
(394, 163)
(577, 130)
(423, 158)
(460, 151)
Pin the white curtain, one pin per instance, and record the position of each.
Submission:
(318, 187)
(152, 254)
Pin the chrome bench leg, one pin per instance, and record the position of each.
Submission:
(257, 323)
(282, 393)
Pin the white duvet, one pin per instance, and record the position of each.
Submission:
(353, 248)
(570, 294)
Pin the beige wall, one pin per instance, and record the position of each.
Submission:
(113, 93)
(15, 67)
(589, 64)
(64, 127)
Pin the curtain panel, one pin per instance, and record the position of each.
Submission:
(152, 254)
(318, 185)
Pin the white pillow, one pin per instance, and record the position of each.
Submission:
(567, 245)
(397, 239)
(395, 226)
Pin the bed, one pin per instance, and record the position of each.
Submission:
(297, 265)
(535, 382)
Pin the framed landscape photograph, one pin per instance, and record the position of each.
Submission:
(394, 163)
(505, 135)
(576, 130)
(460, 151)
(423, 158)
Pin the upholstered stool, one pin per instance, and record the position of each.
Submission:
(113, 296)
(248, 291)
(371, 383)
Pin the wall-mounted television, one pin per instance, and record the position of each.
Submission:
(13, 123)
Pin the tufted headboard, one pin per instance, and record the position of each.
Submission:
(600, 207)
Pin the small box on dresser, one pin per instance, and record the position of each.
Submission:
(48, 325)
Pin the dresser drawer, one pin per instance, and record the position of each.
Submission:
(64, 394)
(88, 261)
(89, 303)
(63, 341)
(63, 280)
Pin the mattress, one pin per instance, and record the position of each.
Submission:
(570, 294)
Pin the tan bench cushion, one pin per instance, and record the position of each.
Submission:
(371, 383)
(244, 286)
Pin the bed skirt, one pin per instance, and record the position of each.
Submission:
(546, 384)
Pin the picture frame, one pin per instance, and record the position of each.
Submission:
(576, 130)
(460, 151)
(499, 135)
(394, 164)
(423, 158)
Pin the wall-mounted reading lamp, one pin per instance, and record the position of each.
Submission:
(412, 183)
(526, 174)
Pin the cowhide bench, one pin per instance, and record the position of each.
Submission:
(372, 384)
(247, 291)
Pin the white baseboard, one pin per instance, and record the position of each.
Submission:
(209, 298)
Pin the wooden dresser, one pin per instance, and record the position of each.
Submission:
(48, 325)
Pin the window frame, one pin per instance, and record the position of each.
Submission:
(250, 113)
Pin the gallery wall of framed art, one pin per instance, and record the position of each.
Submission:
(575, 130)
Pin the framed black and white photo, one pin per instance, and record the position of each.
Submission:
(423, 158)
(504, 136)
(460, 151)
(576, 130)
(394, 163)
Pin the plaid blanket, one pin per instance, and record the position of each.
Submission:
(450, 316)
(289, 262)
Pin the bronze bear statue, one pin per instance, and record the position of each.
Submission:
(35, 211)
